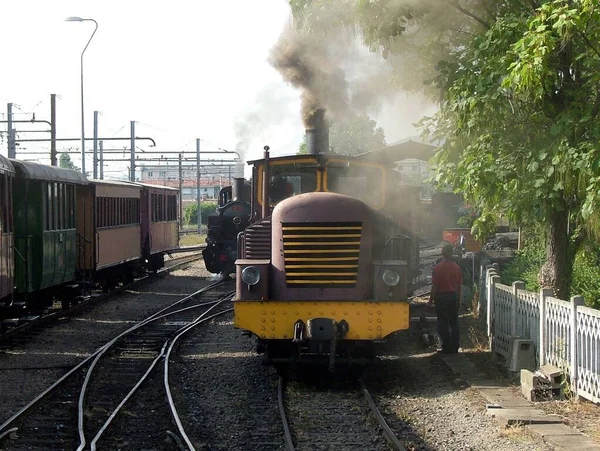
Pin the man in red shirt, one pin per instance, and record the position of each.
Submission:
(446, 283)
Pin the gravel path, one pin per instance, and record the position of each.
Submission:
(31, 365)
(430, 409)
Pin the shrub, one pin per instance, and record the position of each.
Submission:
(586, 275)
(191, 212)
(526, 264)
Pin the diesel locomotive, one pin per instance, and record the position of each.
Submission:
(231, 217)
(325, 268)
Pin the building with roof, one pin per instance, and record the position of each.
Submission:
(213, 177)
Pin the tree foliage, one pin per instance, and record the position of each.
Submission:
(520, 130)
(64, 161)
(518, 84)
(190, 215)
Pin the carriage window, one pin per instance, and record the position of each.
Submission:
(4, 204)
(364, 182)
(55, 206)
(44, 207)
(171, 208)
(71, 200)
(60, 224)
(48, 189)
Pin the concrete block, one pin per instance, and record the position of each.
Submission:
(529, 378)
(521, 354)
(579, 442)
(548, 430)
(522, 416)
(553, 374)
(541, 393)
(503, 397)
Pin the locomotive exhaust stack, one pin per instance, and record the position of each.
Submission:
(237, 189)
(317, 134)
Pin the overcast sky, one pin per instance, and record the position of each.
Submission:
(181, 69)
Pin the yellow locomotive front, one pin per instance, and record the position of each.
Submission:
(324, 274)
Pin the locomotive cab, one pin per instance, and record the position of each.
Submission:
(335, 275)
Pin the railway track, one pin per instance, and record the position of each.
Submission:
(79, 409)
(29, 324)
(339, 417)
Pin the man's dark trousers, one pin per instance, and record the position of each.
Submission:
(446, 309)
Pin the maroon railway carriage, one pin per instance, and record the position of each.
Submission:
(160, 229)
(124, 227)
(109, 226)
(7, 173)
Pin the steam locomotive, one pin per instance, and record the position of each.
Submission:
(325, 268)
(231, 217)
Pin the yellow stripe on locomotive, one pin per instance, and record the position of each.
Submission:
(274, 320)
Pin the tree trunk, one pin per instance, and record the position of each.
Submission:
(556, 271)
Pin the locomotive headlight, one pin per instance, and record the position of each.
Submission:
(251, 275)
(391, 277)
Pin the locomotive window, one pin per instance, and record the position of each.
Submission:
(288, 180)
(364, 182)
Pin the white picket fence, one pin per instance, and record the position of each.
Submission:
(565, 334)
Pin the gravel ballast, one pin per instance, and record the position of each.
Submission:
(33, 363)
(228, 399)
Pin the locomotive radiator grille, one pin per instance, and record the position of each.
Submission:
(321, 254)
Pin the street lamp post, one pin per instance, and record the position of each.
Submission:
(79, 19)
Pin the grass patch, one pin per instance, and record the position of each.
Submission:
(517, 433)
(192, 239)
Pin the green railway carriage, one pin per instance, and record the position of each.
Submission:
(46, 241)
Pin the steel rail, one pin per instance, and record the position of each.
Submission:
(174, 412)
(129, 395)
(289, 442)
(4, 426)
(91, 300)
(106, 347)
(389, 434)
(200, 319)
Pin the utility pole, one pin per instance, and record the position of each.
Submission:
(11, 137)
(101, 144)
(180, 191)
(95, 155)
(53, 159)
(199, 216)
(132, 166)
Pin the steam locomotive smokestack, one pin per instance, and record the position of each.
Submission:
(237, 189)
(317, 133)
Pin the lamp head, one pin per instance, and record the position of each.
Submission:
(73, 19)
